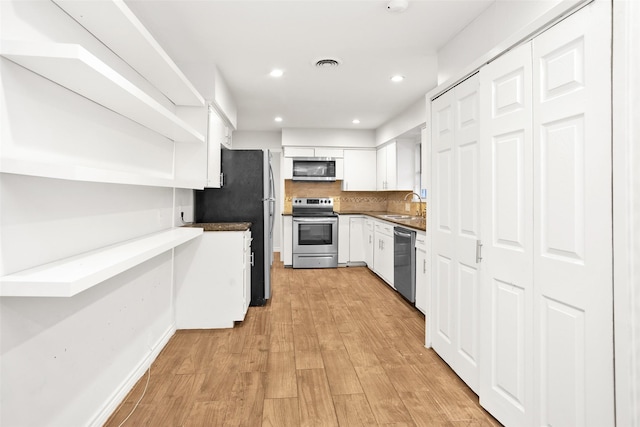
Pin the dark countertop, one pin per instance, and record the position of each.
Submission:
(416, 223)
(221, 226)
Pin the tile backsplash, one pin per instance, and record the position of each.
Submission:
(352, 201)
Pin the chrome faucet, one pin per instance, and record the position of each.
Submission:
(419, 198)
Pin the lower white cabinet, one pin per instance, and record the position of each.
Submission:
(356, 239)
(383, 251)
(350, 239)
(343, 239)
(287, 243)
(421, 273)
(213, 280)
(368, 242)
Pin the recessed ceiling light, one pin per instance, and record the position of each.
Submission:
(278, 119)
(397, 78)
(356, 122)
(276, 73)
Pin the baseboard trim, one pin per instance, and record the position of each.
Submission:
(128, 384)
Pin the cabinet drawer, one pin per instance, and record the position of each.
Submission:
(384, 228)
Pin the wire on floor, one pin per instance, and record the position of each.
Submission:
(139, 400)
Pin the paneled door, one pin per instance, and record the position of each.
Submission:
(507, 251)
(573, 295)
(547, 319)
(455, 275)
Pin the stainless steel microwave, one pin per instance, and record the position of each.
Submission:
(314, 169)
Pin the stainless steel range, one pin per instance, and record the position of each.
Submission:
(315, 233)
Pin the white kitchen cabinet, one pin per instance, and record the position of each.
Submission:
(213, 280)
(287, 242)
(336, 153)
(422, 287)
(356, 240)
(394, 166)
(368, 242)
(343, 239)
(299, 152)
(215, 138)
(359, 170)
(383, 251)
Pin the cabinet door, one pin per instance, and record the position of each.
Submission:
(356, 240)
(421, 274)
(359, 170)
(287, 171)
(381, 168)
(383, 251)
(368, 243)
(287, 240)
(456, 231)
(343, 239)
(336, 153)
(299, 152)
(246, 279)
(215, 136)
(391, 167)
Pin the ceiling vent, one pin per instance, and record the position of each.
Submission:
(327, 63)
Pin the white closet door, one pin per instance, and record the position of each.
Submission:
(455, 277)
(443, 253)
(572, 220)
(507, 221)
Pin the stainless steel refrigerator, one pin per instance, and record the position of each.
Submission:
(247, 194)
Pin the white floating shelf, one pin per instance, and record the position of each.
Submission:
(133, 43)
(89, 174)
(71, 276)
(75, 68)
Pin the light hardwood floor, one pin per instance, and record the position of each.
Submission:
(332, 347)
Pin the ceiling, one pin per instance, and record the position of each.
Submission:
(247, 39)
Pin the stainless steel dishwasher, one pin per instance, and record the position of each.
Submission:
(404, 262)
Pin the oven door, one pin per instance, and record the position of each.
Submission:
(315, 235)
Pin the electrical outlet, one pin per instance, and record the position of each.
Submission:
(407, 207)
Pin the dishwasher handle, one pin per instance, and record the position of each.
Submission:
(401, 234)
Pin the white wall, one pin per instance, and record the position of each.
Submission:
(412, 117)
(69, 361)
(497, 23)
(328, 138)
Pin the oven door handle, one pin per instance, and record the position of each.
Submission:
(312, 219)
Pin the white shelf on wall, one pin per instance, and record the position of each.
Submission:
(57, 170)
(75, 68)
(133, 43)
(70, 276)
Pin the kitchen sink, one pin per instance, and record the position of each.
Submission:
(393, 216)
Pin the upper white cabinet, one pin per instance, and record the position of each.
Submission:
(299, 152)
(336, 153)
(215, 139)
(359, 170)
(115, 25)
(394, 166)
